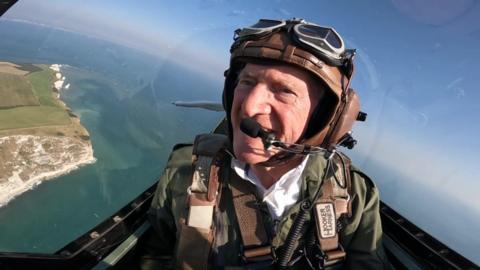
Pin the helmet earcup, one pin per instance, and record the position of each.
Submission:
(344, 119)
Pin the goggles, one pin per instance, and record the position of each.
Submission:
(322, 41)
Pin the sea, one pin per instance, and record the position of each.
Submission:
(124, 99)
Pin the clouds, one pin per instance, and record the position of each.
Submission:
(236, 12)
(455, 87)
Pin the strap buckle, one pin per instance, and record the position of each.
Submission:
(258, 257)
(334, 256)
(318, 259)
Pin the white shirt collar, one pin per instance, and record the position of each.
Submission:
(282, 194)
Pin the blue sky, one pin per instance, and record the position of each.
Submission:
(417, 68)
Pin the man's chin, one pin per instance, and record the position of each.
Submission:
(253, 158)
(251, 151)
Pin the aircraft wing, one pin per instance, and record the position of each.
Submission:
(209, 105)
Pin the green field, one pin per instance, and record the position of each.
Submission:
(42, 82)
(16, 91)
(28, 100)
(32, 116)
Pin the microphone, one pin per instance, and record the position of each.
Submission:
(253, 129)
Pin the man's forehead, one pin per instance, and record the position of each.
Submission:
(256, 69)
(253, 69)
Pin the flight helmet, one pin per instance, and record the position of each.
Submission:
(317, 49)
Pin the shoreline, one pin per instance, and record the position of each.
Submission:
(15, 186)
(31, 159)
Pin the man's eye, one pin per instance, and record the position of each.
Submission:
(285, 95)
(284, 91)
(246, 82)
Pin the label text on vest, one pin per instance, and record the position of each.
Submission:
(326, 213)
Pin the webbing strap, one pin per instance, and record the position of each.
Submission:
(200, 174)
(196, 233)
(200, 207)
(334, 202)
(193, 247)
(255, 240)
(342, 187)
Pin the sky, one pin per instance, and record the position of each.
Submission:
(417, 68)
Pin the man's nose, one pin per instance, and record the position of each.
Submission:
(257, 101)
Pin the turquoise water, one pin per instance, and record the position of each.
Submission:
(124, 100)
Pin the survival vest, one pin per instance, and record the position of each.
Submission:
(332, 203)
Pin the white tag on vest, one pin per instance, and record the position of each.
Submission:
(200, 216)
(326, 216)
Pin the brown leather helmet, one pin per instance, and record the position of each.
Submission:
(335, 114)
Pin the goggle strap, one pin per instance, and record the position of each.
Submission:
(288, 52)
(349, 66)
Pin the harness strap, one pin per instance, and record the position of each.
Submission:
(193, 247)
(196, 235)
(201, 199)
(256, 243)
(334, 202)
(197, 232)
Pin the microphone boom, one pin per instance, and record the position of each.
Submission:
(253, 129)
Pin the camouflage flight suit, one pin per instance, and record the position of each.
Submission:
(361, 235)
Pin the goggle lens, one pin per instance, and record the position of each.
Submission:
(266, 24)
(315, 31)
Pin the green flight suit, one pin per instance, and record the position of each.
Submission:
(361, 235)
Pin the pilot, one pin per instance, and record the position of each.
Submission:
(271, 189)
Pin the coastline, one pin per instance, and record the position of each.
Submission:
(32, 155)
(15, 186)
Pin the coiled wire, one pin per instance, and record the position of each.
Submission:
(299, 223)
(294, 234)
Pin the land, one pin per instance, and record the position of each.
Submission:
(40, 137)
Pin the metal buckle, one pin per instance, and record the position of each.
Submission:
(330, 261)
(261, 257)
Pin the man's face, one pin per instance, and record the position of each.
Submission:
(280, 98)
